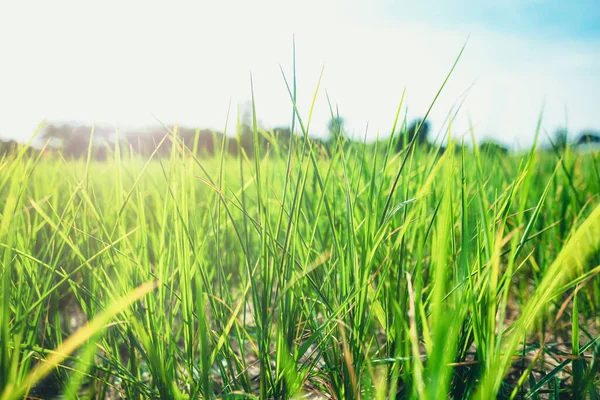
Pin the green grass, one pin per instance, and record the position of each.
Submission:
(363, 273)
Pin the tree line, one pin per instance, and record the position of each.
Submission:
(73, 141)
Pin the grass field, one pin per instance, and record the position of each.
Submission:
(358, 272)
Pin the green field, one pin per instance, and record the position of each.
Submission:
(348, 271)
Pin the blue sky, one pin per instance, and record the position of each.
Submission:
(125, 63)
(531, 18)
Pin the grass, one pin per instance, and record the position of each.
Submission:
(357, 272)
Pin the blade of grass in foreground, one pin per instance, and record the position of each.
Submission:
(583, 243)
(76, 340)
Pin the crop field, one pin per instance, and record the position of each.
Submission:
(344, 270)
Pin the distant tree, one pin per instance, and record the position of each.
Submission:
(246, 134)
(145, 142)
(7, 148)
(561, 138)
(76, 145)
(202, 139)
(417, 130)
(283, 135)
(336, 128)
(58, 133)
(492, 147)
(75, 139)
(206, 141)
(11, 147)
(588, 138)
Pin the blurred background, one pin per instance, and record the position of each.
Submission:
(128, 64)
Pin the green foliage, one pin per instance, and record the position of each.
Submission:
(417, 131)
(357, 272)
(561, 138)
(311, 284)
(335, 126)
(492, 147)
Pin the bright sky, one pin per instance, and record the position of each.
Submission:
(124, 62)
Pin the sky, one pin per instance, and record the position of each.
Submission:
(129, 64)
